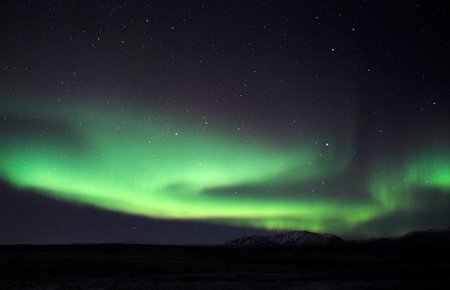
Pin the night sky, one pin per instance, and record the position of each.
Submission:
(201, 121)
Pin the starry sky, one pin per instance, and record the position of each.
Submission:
(181, 122)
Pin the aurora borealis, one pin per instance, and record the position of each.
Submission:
(138, 163)
(252, 116)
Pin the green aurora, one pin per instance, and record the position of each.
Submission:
(129, 160)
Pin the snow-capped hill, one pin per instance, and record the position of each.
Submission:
(290, 238)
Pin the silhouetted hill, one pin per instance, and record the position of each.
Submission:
(295, 238)
(305, 238)
(427, 237)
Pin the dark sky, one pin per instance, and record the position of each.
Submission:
(201, 121)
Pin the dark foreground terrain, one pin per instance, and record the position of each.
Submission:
(349, 266)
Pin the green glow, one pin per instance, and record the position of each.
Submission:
(393, 186)
(138, 162)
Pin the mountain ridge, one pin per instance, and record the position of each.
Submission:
(289, 238)
(307, 238)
